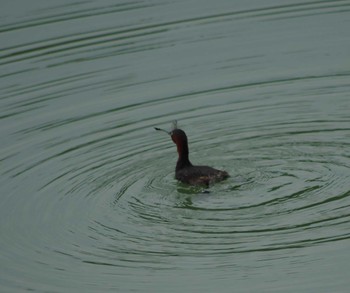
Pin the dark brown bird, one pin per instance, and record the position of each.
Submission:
(185, 171)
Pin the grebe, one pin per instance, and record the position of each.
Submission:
(185, 171)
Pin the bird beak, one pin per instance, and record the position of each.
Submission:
(156, 128)
(174, 126)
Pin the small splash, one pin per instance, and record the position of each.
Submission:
(174, 125)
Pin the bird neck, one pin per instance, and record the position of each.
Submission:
(183, 160)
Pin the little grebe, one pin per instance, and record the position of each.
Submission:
(185, 171)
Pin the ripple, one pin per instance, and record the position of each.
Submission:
(290, 176)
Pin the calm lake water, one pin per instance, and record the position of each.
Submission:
(88, 199)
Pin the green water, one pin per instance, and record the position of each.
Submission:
(88, 199)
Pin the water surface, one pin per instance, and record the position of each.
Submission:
(89, 202)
